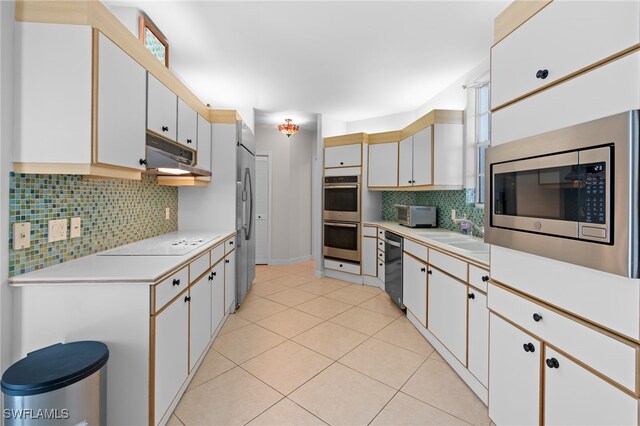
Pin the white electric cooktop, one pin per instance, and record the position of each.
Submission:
(173, 244)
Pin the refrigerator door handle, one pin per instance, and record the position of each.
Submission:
(247, 174)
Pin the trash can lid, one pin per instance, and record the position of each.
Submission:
(54, 367)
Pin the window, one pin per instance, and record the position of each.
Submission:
(482, 138)
(153, 40)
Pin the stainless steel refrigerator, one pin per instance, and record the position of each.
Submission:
(245, 212)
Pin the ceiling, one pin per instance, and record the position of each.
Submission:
(350, 60)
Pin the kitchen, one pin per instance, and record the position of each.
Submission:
(463, 250)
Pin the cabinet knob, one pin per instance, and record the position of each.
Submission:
(552, 363)
(214, 274)
(471, 296)
(381, 264)
(485, 278)
(226, 261)
(542, 74)
(423, 269)
(408, 181)
(211, 276)
(187, 298)
(429, 272)
(342, 163)
(230, 243)
(528, 347)
(143, 162)
(340, 265)
(537, 317)
(165, 128)
(176, 282)
(188, 140)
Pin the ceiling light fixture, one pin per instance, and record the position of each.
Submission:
(288, 128)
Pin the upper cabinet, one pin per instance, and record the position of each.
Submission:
(204, 144)
(162, 109)
(343, 156)
(383, 165)
(416, 159)
(535, 55)
(187, 125)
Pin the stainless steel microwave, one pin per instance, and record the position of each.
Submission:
(570, 194)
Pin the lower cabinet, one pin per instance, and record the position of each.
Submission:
(217, 295)
(199, 319)
(448, 312)
(478, 340)
(514, 375)
(369, 256)
(229, 280)
(414, 287)
(171, 353)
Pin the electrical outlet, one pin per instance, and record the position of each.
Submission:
(453, 215)
(21, 235)
(76, 227)
(167, 213)
(57, 230)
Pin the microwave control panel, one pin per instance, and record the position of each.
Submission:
(593, 195)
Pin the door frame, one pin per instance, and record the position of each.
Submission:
(269, 204)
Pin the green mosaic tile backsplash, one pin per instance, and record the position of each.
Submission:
(113, 213)
(461, 200)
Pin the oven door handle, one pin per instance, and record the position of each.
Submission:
(341, 187)
(342, 225)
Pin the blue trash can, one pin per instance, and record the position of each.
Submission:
(62, 384)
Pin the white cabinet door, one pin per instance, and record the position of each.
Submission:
(383, 164)
(199, 319)
(448, 154)
(478, 351)
(229, 281)
(204, 144)
(343, 156)
(217, 296)
(448, 312)
(122, 97)
(187, 125)
(575, 396)
(423, 157)
(162, 109)
(414, 287)
(405, 165)
(590, 31)
(171, 353)
(369, 256)
(514, 375)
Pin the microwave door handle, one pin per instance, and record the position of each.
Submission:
(343, 225)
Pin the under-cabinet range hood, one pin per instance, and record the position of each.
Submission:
(166, 158)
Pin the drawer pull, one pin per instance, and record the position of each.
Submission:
(429, 272)
(176, 282)
(342, 163)
(143, 162)
(227, 261)
(485, 278)
(187, 299)
(471, 296)
(230, 243)
(381, 264)
(423, 269)
(537, 317)
(552, 363)
(165, 129)
(189, 140)
(542, 74)
(340, 265)
(528, 347)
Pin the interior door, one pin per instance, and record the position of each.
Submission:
(262, 209)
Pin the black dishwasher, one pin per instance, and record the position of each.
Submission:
(393, 267)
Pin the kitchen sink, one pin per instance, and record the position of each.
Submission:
(438, 236)
(476, 246)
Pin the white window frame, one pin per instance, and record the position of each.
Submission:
(481, 144)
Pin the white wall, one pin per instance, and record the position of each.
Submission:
(291, 166)
(7, 12)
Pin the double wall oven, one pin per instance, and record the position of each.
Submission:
(570, 194)
(342, 217)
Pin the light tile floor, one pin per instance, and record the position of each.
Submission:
(309, 351)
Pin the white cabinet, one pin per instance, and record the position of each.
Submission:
(162, 109)
(204, 144)
(563, 38)
(229, 281)
(171, 353)
(187, 125)
(199, 319)
(447, 310)
(416, 159)
(478, 341)
(575, 396)
(447, 155)
(369, 256)
(343, 156)
(405, 168)
(217, 295)
(122, 98)
(414, 287)
(514, 375)
(383, 165)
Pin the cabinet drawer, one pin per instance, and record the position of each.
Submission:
(418, 250)
(343, 171)
(381, 233)
(380, 244)
(369, 231)
(380, 256)
(381, 270)
(217, 253)
(229, 245)
(343, 156)
(586, 344)
(351, 268)
(591, 31)
(171, 287)
(198, 267)
(478, 277)
(448, 264)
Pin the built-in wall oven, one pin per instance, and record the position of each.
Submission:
(342, 240)
(570, 194)
(342, 198)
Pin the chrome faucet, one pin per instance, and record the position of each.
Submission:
(480, 229)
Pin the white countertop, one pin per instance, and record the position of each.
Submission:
(97, 269)
(414, 233)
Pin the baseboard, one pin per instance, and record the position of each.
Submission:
(285, 262)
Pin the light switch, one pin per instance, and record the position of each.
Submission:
(57, 230)
(21, 235)
(76, 229)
